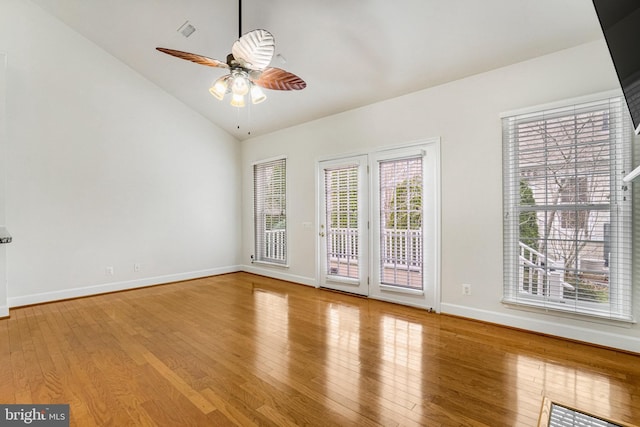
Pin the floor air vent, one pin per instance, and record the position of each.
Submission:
(556, 415)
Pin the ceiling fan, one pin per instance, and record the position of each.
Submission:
(248, 65)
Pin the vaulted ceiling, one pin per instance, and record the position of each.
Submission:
(350, 52)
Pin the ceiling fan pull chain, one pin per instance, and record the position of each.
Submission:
(249, 119)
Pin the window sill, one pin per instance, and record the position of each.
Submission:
(270, 264)
(557, 309)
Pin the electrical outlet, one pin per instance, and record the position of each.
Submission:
(108, 271)
(136, 267)
(466, 289)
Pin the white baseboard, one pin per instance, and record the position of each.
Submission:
(115, 286)
(4, 311)
(555, 328)
(279, 273)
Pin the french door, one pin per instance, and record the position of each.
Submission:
(379, 223)
(344, 240)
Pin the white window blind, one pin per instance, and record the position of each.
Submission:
(401, 237)
(567, 212)
(342, 206)
(270, 211)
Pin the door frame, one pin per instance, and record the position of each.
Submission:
(429, 297)
(432, 171)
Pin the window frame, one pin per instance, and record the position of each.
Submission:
(259, 223)
(620, 278)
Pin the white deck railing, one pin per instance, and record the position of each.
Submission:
(541, 275)
(398, 247)
(532, 272)
(342, 244)
(402, 247)
(275, 245)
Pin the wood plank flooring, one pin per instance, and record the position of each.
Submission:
(245, 350)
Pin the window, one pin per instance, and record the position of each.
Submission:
(567, 212)
(270, 211)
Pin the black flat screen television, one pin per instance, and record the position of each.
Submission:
(620, 22)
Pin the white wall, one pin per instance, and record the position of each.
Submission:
(465, 114)
(105, 169)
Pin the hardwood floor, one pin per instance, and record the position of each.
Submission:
(243, 350)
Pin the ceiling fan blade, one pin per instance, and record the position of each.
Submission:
(254, 49)
(279, 79)
(198, 59)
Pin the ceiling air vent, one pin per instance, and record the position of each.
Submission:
(187, 29)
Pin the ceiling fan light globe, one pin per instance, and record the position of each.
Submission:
(237, 100)
(240, 86)
(219, 88)
(257, 95)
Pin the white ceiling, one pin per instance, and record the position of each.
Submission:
(350, 52)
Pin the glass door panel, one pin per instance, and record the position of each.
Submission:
(341, 201)
(400, 195)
